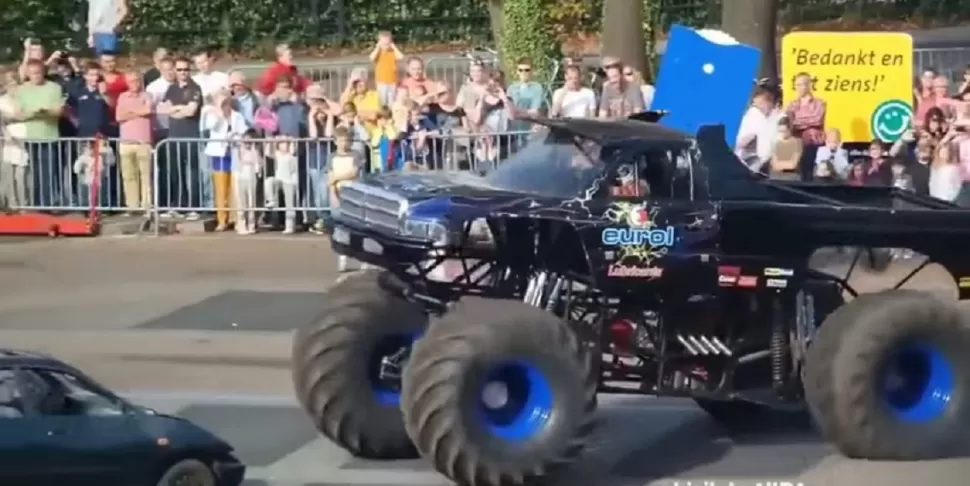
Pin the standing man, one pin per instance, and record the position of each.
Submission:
(527, 95)
(104, 18)
(183, 103)
(134, 111)
(620, 98)
(156, 70)
(211, 81)
(41, 102)
(807, 116)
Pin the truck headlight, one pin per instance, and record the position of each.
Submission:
(427, 229)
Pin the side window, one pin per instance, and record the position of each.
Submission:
(66, 394)
(11, 403)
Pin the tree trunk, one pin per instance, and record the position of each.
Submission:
(623, 32)
(754, 22)
(495, 19)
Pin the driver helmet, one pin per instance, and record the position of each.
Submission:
(626, 173)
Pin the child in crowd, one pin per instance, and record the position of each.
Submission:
(345, 166)
(901, 177)
(245, 174)
(284, 178)
(945, 177)
(401, 107)
(825, 172)
(833, 153)
(857, 174)
(878, 172)
(415, 134)
(787, 153)
(382, 136)
(91, 169)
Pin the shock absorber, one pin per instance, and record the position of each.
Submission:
(779, 344)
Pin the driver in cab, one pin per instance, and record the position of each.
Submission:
(628, 184)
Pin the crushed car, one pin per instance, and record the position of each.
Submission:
(62, 427)
(625, 257)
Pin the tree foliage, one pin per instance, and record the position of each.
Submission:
(255, 25)
(527, 31)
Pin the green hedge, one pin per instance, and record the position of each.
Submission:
(254, 26)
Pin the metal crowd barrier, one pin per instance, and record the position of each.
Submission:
(185, 179)
(949, 61)
(451, 70)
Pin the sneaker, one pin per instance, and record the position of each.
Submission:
(289, 229)
(193, 216)
(317, 227)
(241, 230)
(221, 227)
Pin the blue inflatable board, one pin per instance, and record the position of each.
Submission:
(705, 78)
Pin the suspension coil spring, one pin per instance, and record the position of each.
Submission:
(779, 346)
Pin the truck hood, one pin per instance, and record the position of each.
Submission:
(461, 196)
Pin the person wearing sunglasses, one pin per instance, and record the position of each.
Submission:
(527, 96)
(635, 78)
(620, 98)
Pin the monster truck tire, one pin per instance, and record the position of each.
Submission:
(335, 363)
(524, 363)
(887, 377)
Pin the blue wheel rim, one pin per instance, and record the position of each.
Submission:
(918, 381)
(527, 407)
(386, 392)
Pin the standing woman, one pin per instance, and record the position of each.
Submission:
(807, 116)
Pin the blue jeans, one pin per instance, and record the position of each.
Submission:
(318, 196)
(105, 42)
(47, 171)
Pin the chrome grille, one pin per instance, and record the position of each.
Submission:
(371, 205)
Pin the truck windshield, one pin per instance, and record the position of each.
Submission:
(549, 165)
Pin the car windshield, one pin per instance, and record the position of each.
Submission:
(549, 165)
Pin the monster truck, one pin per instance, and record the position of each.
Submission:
(625, 257)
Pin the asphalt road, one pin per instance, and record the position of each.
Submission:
(200, 326)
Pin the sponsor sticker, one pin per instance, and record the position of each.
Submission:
(624, 271)
(779, 272)
(776, 283)
(729, 270)
(727, 280)
(964, 283)
(747, 281)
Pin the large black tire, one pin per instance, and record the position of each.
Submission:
(449, 368)
(816, 379)
(334, 361)
(847, 369)
(199, 473)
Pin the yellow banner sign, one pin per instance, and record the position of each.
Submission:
(865, 78)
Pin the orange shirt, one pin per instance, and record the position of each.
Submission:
(385, 67)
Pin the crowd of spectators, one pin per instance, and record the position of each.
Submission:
(932, 157)
(188, 138)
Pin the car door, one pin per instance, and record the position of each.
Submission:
(24, 444)
(93, 435)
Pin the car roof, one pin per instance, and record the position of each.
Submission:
(618, 132)
(10, 358)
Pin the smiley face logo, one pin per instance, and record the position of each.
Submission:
(890, 120)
